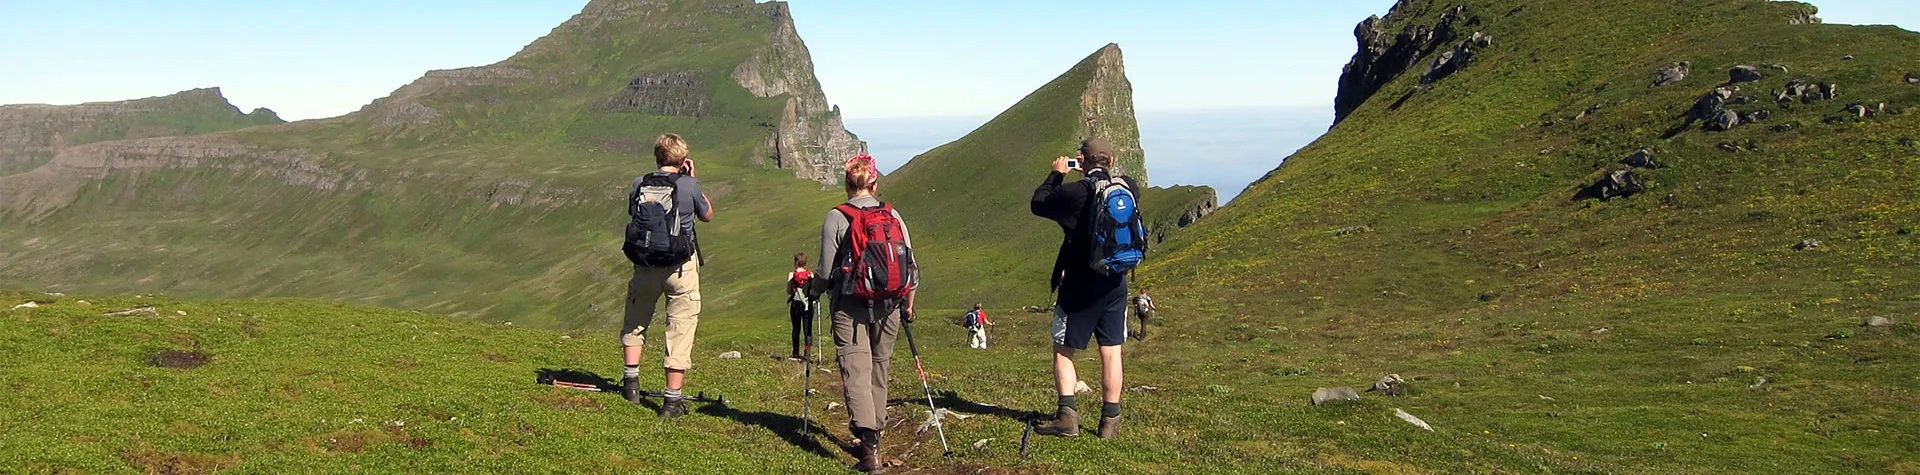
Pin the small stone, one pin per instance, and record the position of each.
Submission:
(1807, 245)
(1847, 58)
(1323, 395)
(1758, 383)
(981, 444)
(1878, 322)
(1601, 331)
(1403, 415)
(1731, 148)
(1744, 73)
(1642, 158)
(1723, 120)
(1913, 78)
(1670, 74)
(1757, 116)
(731, 355)
(29, 304)
(180, 312)
(1858, 110)
(834, 405)
(1080, 387)
(1143, 389)
(55, 294)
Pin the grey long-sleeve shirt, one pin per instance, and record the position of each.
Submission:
(834, 241)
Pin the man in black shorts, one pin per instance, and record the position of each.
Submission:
(1091, 304)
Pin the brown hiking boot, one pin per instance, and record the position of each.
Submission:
(870, 461)
(1109, 427)
(1066, 423)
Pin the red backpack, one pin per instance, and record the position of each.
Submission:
(878, 265)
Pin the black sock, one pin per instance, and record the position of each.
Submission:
(1109, 409)
(869, 437)
(1066, 401)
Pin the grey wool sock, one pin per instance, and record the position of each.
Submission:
(631, 371)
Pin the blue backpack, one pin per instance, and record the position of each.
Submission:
(973, 319)
(1118, 236)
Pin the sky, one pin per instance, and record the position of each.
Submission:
(310, 59)
(1224, 88)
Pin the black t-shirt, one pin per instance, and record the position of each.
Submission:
(1066, 204)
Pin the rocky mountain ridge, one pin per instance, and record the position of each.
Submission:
(31, 134)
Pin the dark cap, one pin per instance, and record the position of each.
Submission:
(1097, 147)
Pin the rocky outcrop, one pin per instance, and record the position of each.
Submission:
(404, 108)
(677, 93)
(810, 138)
(57, 183)
(1106, 111)
(1384, 55)
(30, 134)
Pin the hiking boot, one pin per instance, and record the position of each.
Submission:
(673, 408)
(1109, 427)
(870, 461)
(1066, 423)
(630, 389)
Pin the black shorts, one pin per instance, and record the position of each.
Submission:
(1108, 323)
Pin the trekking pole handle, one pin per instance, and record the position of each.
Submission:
(908, 328)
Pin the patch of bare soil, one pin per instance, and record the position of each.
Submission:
(178, 359)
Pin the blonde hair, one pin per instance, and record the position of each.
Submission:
(670, 150)
(862, 174)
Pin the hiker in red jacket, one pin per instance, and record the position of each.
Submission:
(977, 323)
(799, 309)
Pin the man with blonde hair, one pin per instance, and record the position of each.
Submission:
(665, 251)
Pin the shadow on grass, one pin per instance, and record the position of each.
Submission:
(951, 401)
(603, 384)
(787, 426)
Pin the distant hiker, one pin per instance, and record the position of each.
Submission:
(1143, 308)
(1102, 238)
(977, 323)
(799, 309)
(662, 245)
(867, 257)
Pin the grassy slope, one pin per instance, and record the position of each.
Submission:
(1483, 278)
(1165, 205)
(421, 231)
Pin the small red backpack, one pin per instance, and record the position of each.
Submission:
(878, 265)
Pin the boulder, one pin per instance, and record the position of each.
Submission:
(1913, 78)
(1709, 103)
(1324, 395)
(1642, 158)
(1617, 184)
(1731, 148)
(1744, 73)
(1858, 110)
(1670, 74)
(1757, 116)
(1390, 385)
(1723, 120)
(731, 355)
(1877, 322)
(1807, 245)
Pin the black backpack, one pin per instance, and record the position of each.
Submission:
(656, 237)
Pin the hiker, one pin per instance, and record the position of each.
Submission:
(799, 309)
(977, 323)
(1143, 308)
(872, 296)
(665, 250)
(1092, 301)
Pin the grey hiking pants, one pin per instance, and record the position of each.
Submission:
(865, 338)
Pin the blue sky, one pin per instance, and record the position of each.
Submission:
(311, 59)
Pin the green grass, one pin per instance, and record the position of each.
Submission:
(1541, 333)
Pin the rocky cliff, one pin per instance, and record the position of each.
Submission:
(810, 139)
(31, 134)
(1390, 46)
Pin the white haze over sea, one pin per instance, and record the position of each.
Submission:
(1223, 148)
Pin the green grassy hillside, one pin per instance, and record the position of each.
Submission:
(490, 192)
(1629, 334)
(36, 131)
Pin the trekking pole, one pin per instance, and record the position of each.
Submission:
(806, 398)
(937, 425)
